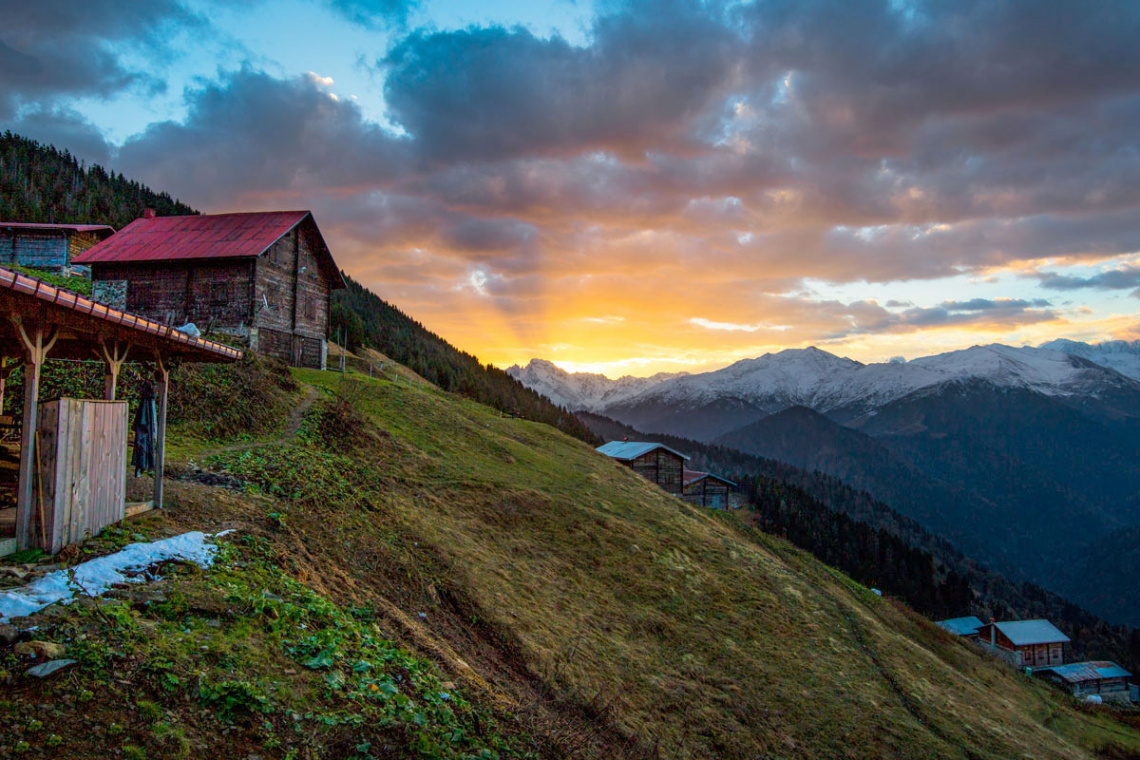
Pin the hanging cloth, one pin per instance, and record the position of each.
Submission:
(145, 428)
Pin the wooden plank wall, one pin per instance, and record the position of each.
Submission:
(202, 292)
(35, 249)
(83, 448)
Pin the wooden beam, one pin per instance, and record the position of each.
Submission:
(113, 363)
(37, 347)
(162, 375)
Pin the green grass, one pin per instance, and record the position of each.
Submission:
(567, 607)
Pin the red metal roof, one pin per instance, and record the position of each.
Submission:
(213, 236)
(73, 227)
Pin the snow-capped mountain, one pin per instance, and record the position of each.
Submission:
(581, 390)
(1121, 355)
(841, 388)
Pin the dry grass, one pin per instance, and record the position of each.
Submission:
(599, 617)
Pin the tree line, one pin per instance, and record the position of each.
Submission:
(42, 184)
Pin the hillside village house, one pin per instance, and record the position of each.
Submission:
(1037, 643)
(653, 461)
(47, 246)
(1083, 679)
(706, 489)
(265, 276)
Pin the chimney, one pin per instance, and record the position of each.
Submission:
(993, 633)
(148, 213)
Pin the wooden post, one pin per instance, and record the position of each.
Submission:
(162, 376)
(3, 380)
(37, 349)
(113, 364)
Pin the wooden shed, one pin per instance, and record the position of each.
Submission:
(654, 461)
(48, 246)
(706, 489)
(1037, 643)
(73, 452)
(1082, 679)
(265, 276)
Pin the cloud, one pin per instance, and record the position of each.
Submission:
(647, 77)
(251, 136)
(733, 327)
(51, 50)
(1120, 278)
(374, 14)
(689, 164)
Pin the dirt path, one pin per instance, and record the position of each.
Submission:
(292, 426)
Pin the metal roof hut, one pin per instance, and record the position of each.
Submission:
(655, 462)
(964, 626)
(706, 489)
(265, 276)
(1107, 679)
(1037, 643)
(48, 246)
(38, 321)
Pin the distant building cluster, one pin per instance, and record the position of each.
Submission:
(664, 466)
(1039, 647)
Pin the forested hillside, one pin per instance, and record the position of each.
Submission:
(368, 320)
(876, 545)
(39, 183)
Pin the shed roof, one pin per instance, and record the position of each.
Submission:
(1077, 672)
(627, 450)
(963, 626)
(695, 476)
(1028, 632)
(83, 322)
(204, 236)
(69, 227)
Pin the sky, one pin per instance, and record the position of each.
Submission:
(636, 187)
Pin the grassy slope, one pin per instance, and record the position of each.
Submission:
(570, 601)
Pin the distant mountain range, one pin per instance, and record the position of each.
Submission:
(843, 389)
(1025, 458)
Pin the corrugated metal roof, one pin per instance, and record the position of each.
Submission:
(213, 236)
(1027, 632)
(963, 626)
(692, 476)
(72, 227)
(626, 450)
(1076, 672)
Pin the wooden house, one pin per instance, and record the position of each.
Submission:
(1083, 679)
(1037, 643)
(265, 276)
(966, 627)
(653, 461)
(706, 489)
(47, 246)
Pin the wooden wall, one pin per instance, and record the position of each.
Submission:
(34, 248)
(289, 275)
(83, 469)
(200, 291)
(661, 467)
(708, 492)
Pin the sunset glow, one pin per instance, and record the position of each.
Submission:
(638, 187)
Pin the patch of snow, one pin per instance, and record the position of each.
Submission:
(94, 577)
